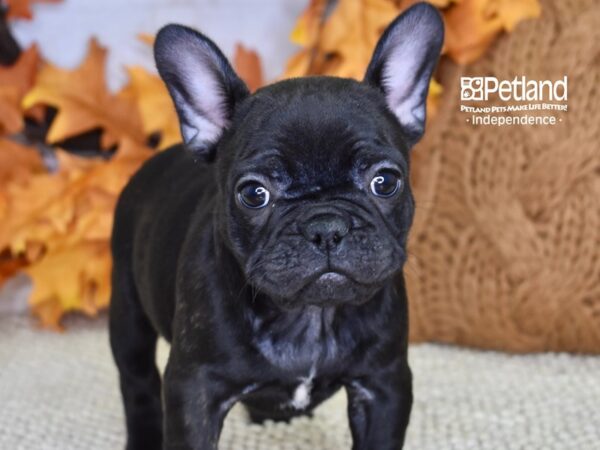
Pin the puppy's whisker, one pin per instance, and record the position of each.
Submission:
(252, 280)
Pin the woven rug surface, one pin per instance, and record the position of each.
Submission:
(59, 391)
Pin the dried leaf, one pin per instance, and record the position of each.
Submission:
(351, 33)
(61, 223)
(472, 25)
(17, 165)
(308, 25)
(10, 266)
(247, 65)
(154, 104)
(299, 64)
(84, 102)
(15, 81)
(403, 4)
(70, 278)
(342, 45)
(21, 9)
(37, 210)
(17, 162)
(50, 205)
(147, 38)
(435, 92)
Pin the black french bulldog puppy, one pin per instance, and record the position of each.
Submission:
(276, 271)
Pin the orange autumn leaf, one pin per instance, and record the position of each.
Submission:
(35, 212)
(342, 43)
(154, 104)
(81, 259)
(247, 65)
(440, 4)
(50, 205)
(299, 65)
(10, 266)
(472, 25)
(433, 97)
(84, 102)
(63, 230)
(146, 38)
(349, 35)
(21, 9)
(306, 31)
(70, 278)
(38, 208)
(18, 162)
(15, 81)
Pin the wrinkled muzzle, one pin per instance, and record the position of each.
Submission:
(326, 255)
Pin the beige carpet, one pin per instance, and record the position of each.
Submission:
(59, 391)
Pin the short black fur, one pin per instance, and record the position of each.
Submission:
(279, 306)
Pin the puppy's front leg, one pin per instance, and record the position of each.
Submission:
(196, 403)
(379, 408)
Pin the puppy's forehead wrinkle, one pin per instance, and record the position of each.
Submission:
(316, 107)
(269, 164)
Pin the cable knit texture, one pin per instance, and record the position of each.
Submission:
(505, 249)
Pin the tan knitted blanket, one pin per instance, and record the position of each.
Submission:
(505, 251)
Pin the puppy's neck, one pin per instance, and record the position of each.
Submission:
(307, 337)
(304, 337)
(295, 340)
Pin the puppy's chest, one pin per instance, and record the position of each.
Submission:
(310, 354)
(296, 394)
(304, 343)
(298, 352)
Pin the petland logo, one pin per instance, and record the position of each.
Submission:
(519, 89)
(522, 101)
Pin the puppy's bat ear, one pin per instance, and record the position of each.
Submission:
(403, 63)
(202, 84)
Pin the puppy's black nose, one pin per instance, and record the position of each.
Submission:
(326, 231)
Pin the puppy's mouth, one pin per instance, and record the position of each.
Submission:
(333, 287)
(332, 277)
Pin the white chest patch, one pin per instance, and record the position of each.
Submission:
(301, 397)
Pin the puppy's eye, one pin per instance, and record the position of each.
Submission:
(254, 195)
(385, 183)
